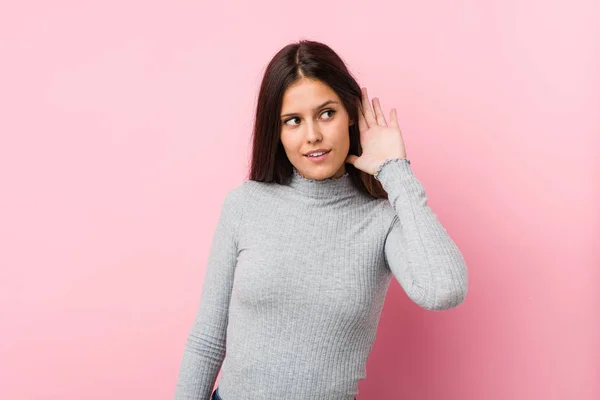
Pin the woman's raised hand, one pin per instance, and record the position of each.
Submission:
(378, 140)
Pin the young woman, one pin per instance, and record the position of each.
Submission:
(304, 250)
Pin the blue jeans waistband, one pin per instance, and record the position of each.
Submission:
(215, 395)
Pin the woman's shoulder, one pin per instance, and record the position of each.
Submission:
(243, 197)
(249, 186)
(248, 190)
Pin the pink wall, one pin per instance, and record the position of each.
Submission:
(116, 117)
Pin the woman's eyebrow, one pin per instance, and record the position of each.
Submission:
(315, 109)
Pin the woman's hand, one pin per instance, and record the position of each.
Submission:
(378, 141)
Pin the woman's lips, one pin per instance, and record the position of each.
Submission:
(319, 158)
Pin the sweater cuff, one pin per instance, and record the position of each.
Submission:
(393, 168)
(399, 181)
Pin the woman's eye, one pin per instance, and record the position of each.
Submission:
(331, 111)
(326, 111)
(288, 120)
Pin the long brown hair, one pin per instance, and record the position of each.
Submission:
(303, 59)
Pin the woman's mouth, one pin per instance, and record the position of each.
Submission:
(317, 157)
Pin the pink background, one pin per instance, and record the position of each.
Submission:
(124, 123)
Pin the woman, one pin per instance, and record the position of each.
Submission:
(304, 250)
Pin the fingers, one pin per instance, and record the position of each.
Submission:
(379, 112)
(362, 123)
(394, 118)
(369, 116)
(367, 109)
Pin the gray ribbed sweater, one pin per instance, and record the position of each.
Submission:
(296, 279)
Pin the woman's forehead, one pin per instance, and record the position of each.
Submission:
(307, 96)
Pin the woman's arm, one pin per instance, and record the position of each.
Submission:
(418, 250)
(205, 348)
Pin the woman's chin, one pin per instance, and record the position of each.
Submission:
(321, 172)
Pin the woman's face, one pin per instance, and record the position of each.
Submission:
(312, 118)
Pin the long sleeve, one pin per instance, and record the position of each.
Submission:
(418, 250)
(205, 347)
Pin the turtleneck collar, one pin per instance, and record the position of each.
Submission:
(330, 187)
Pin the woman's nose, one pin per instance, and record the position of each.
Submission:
(313, 133)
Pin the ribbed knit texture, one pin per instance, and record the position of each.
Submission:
(296, 280)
